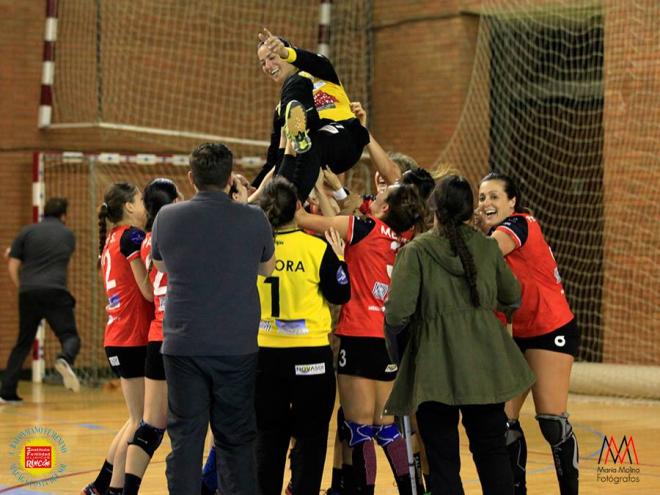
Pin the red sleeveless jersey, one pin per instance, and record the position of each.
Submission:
(544, 307)
(159, 283)
(370, 261)
(129, 313)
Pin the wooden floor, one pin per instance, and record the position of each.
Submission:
(86, 423)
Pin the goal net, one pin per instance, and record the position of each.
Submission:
(172, 71)
(83, 178)
(564, 97)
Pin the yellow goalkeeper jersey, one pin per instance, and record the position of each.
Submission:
(294, 299)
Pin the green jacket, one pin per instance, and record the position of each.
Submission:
(457, 354)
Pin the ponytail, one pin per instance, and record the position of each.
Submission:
(453, 204)
(103, 229)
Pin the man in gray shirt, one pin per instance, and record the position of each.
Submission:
(38, 261)
(212, 250)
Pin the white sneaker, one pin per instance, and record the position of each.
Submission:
(70, 379)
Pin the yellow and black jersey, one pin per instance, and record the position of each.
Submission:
(294, 299)
(330, 98)
(315, 85)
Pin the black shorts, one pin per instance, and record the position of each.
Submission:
(565, 339)
(127, 362)
(366, 357)
(153, 368)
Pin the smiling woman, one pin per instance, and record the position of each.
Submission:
(313, 113)
(543, 327)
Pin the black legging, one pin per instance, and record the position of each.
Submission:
(485, 427)
(338, 145)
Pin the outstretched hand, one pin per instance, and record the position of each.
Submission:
(336, 242)
(273, 43)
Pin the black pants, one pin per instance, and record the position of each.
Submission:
(295, 398)
(485, 426)
(56, 306)
(338, 145)
(219, 390)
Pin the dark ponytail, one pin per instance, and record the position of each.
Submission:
(112, 208)
(158, 193)
(278, 200)
(511, 189)
(406, 209)
(453, 202)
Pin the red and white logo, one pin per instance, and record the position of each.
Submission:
(38, 457)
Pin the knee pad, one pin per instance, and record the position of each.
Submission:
(516, 447)
(359, 433)
(556, 429)
(147, 437)
(387, 434)
(513, 432)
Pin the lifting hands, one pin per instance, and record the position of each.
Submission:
(273, 43)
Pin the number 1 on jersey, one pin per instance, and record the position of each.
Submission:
(274, 295)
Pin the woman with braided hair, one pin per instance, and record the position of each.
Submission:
(446, 284)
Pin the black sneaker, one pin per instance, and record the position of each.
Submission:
(10, 399)
(295, 127)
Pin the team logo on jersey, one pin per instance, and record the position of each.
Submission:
(113, 301)
(342, 278)
(323, 100)
(310, 369)
(380, 290)
(391, 368)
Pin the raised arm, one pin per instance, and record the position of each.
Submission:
(384, 165)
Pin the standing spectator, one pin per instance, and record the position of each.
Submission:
(38, 261)
(212, 250)
(446, 284)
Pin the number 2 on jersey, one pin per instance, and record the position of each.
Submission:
(109, 283)
(274, 295)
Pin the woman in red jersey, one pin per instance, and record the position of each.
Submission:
(130, 312)
(158, 193)
(543, 327)
(365, 372)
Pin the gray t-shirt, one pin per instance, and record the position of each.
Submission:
(44, 249)
(212, 248)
